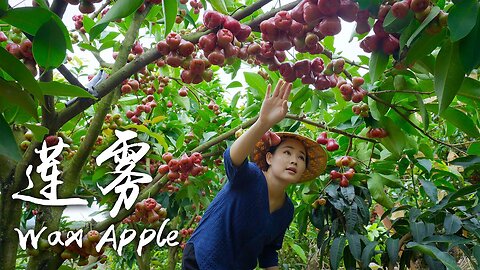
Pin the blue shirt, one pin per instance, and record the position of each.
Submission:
(237, 228)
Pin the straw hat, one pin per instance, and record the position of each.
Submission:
(317, 157)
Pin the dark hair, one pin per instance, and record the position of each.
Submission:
(273, 149)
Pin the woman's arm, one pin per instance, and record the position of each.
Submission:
(274, 108)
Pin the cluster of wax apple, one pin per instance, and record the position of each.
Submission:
(330, 143)
(380, 40)
(147, 211)
(352, 91)
(377, 133)
(214, 107)
(21, 49)
(88, 248)
(73, 250)
(112, 121)
(178, 170)
(303, 27)
(187, 232)
(313, 72)
(51, 140)
(361, 110)
(224, 43)
(347, 175)
(178, 53)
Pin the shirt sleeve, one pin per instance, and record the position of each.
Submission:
(241, 174)
(269, 255)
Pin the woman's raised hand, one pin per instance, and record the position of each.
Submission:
(275, 107)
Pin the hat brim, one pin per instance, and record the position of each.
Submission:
(317, 156)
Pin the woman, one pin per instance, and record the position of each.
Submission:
(247, 220)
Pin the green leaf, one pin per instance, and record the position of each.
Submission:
(20, 73)
(257, 82)
(351, 217)
(430, 190)
(396, 140)
(434, 252)
(418, 230)
(464, 191)
(368, 253)
(469, 53)
(48, 49)
(169, 13)
(462, 18)
(336, 251)
(38, 131)
(8, 145)
(453, 240)
(474, 149)
(476, 253)
(317, 217)
(375, 186)
(219, 5)
(354, 244)
(157, 135)
(393, 246)
(22, 18)
(392, 24)
(423, 46)
(452, 224)
(467, 162)
(120, 9)
(3, 5)
(458, 119)
(378, 63)
(470, 88)
(348, 193)
(42, 3)
(14, 94)
(391, 181)
(423, 112)
(88, 23)
(234, 84)
(448, 75)
(433, 13)
(299, 251)
(63, 90)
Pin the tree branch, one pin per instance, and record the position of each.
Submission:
(104, 5)
(224, 136)
(95, 54)
(69, 76)
(158, 182)
(322, 125)
(401, 91)
(413, 124)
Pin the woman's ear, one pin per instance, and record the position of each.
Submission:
(268, 158)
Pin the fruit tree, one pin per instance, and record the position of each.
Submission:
(400, 124)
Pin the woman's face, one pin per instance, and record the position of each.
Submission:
(288, 162)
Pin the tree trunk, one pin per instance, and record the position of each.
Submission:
(11, 212)
(48, 217)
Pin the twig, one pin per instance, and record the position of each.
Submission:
(224, 136)
(401, 91)
(104, 5)
(96, 54)
(69, 76)
(413, 124)
(414, 186)
(321, 125)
